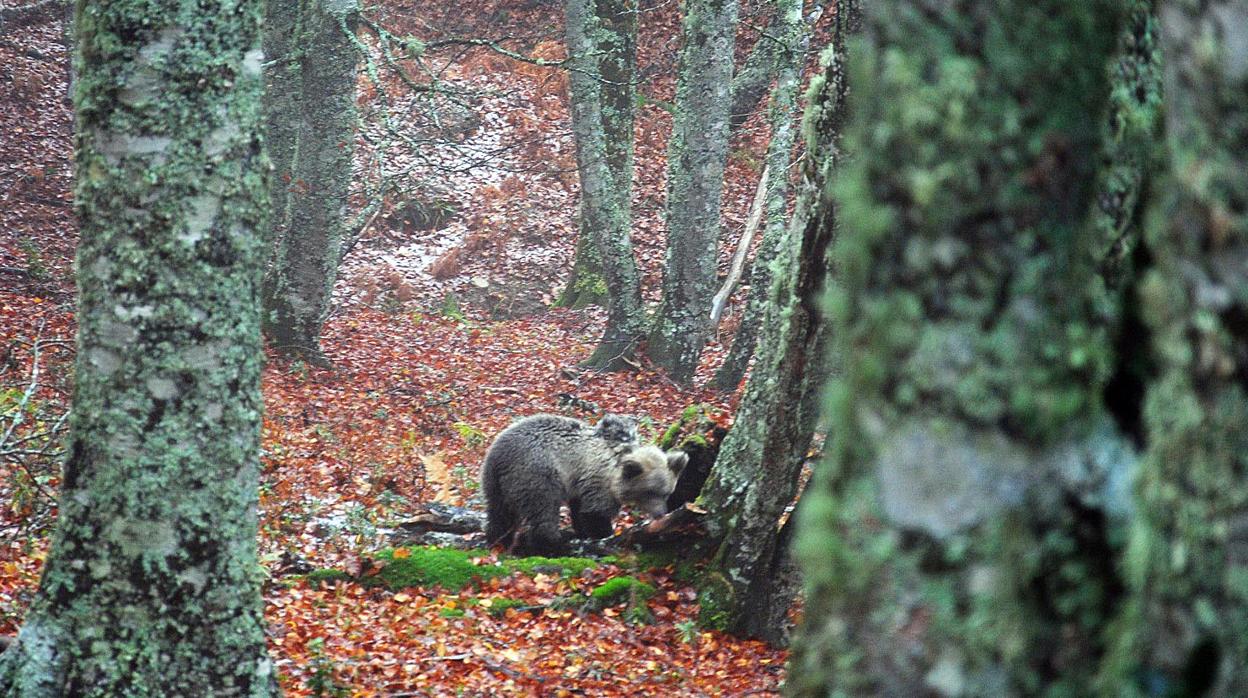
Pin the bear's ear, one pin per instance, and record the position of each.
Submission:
(632, 469)
(676, 461)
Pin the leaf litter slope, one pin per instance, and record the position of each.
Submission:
(405, 417)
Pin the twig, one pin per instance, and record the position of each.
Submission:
(743, 247)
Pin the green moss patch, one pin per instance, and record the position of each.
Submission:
(454, 569)
(562, 566)
(620, 589)
(324, 577)
(425, 567)
(498, 607)
(715, 602)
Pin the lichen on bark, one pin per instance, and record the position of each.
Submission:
(957, 536)
(151, 583)
(789, 52)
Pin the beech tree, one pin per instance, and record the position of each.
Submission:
(612, 38)
(601, 38)
(696, 157)
(755, 478)
(789, 53)
(960, 537)
(310, 121)
(151, 585)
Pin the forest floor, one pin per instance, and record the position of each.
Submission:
(440, 336)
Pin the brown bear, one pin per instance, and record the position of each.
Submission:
(540, 462)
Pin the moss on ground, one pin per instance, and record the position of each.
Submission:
(427, 566)
(323, 577)
(454, 569)
(619, 589)
(498, 607)
(562, 566)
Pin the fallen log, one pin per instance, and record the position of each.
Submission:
(461, 527)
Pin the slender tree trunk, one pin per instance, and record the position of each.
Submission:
(769, 55)
(616, 66)
(603, 167)
(1189, 549)
(696, 158)
(314, 80)
(791, 43)
(755, 477)
(151, 584)
(959, 537)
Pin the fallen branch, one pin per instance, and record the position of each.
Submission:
(454, 526)
(743, 247)
(683, 525)
(445, 518)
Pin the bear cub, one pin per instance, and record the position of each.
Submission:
(540, 462)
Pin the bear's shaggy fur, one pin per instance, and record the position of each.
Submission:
(543, 461)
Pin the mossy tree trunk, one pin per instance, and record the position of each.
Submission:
(768, 56)
(1189, 550)
(601, 38)
(151, 586)
(790, 49)
(616, 66)
(959, 537)
(755, 477)
(311, 117)
(696, 158)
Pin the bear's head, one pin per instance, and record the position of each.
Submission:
(647, 476)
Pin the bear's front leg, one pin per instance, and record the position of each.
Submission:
(590, 524)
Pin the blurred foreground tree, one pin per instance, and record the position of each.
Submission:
(1185, 632)
(309, 107)
(962, 534)
(151, 586)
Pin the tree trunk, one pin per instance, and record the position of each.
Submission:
(791, 42)
(615, 69)
(1189, 549)
(696, 158)
(585, 285)
(312, 120)
(755, 477)
(769, 55)
(151, 584)
(959, 537)
(603, 167)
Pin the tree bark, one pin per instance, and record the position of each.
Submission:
(602, 168)
(311, 116)
(696, 159)
(751, 82)
(791, 50)
(151, 584)
(755, 477)
(959, 537)
(615, 69)
(1188, 626)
